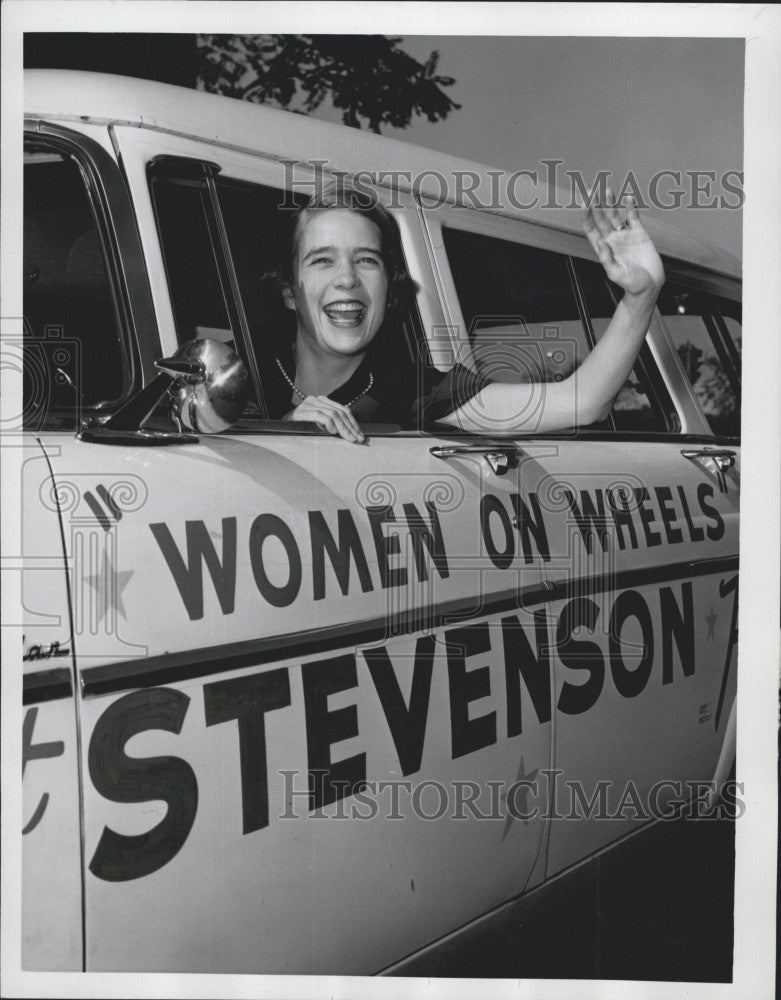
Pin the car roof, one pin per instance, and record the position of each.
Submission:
(76, 96)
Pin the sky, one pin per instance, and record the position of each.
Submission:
(618, 104)
(643, 105)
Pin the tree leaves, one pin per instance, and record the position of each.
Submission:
(709, 380)
(368, 77)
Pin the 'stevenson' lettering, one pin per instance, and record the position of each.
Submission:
(407, 722)
(120, 778)
(330, 780)
(247, 700)
(466, 686)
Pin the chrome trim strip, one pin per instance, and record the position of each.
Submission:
(170, 668)
(46, 685)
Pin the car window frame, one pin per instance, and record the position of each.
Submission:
(436, 302)
(722, 287)
(403, 210)
(115, 222)
(667, 377)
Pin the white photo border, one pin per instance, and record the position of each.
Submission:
(760, 26)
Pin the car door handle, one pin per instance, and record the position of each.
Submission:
(724, 458)
(716, 461)
(500, 457)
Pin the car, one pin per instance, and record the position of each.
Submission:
(329, 708)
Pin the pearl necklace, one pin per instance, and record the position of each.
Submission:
(302, 397)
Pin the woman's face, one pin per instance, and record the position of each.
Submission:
(339, 282)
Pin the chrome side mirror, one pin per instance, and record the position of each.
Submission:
(210, 388)
(206, 385)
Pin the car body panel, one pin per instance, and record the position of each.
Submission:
(51, 835)
(224, 494)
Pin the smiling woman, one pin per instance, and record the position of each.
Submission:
(340, 286)
(344, 279)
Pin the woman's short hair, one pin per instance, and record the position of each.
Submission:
(340, 193)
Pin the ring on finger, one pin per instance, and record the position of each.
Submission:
(624, 225)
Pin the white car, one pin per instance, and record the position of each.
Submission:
(294, 705)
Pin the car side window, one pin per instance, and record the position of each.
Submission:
(75, 356)
(222, 241)
(257, 221)
(519, 307)
(643, 404)
(526, 324)
(706, 332)
(198, 267)
(197, 295)
(255, 227)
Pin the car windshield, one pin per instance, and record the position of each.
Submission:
(74, 357)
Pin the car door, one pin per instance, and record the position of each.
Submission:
(304, 666)
(51, 918)
(640, 530)
(69, 318)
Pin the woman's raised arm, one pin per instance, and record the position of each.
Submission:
(630, 260)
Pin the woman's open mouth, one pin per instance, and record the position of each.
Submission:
(345, 314)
